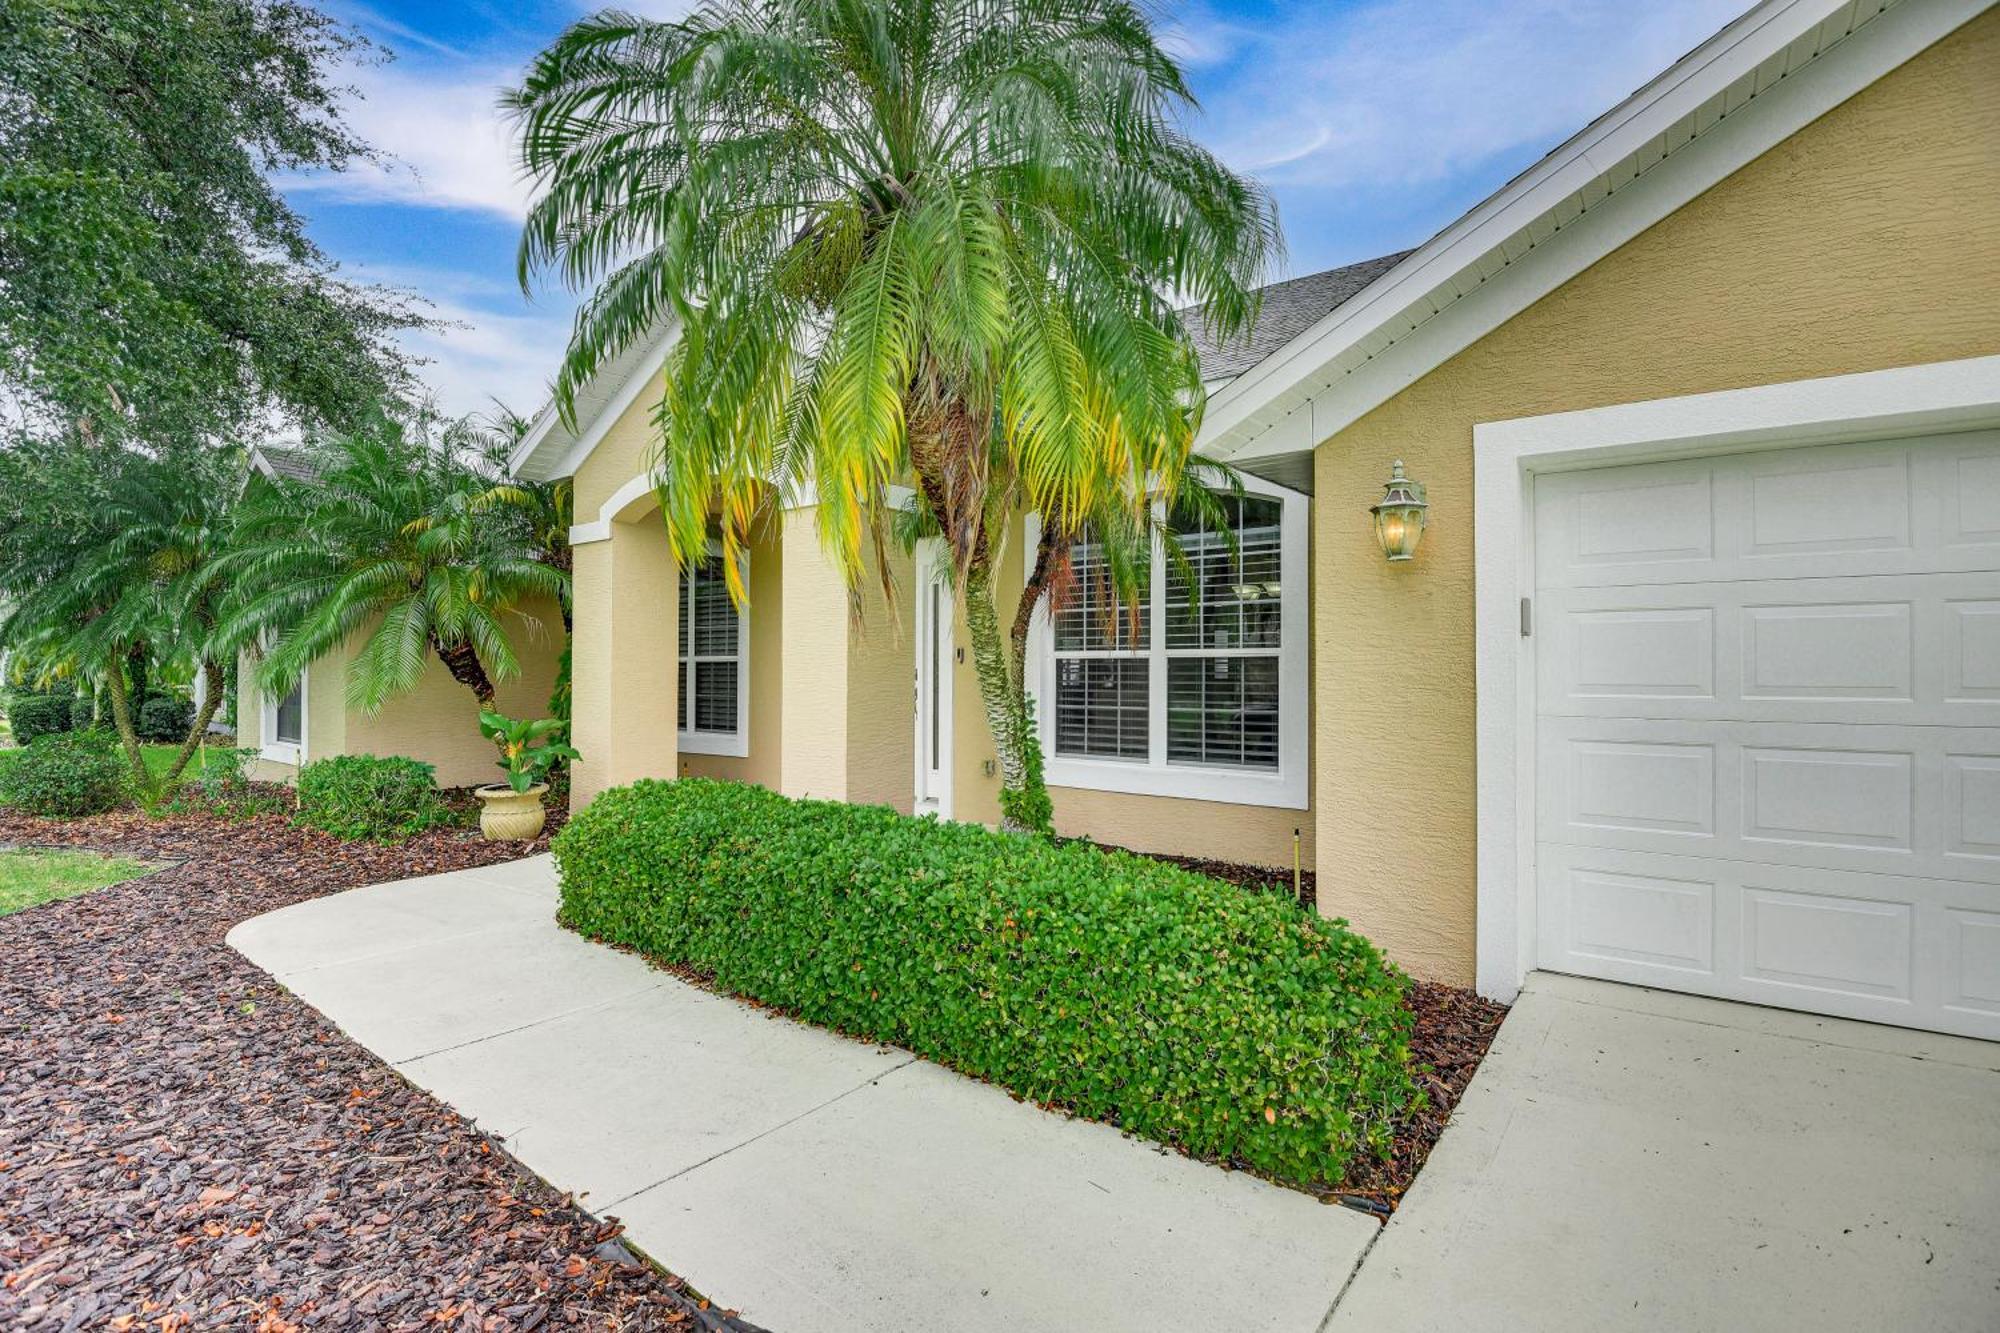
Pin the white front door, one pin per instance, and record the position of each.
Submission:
(935, 613)
(1768, 728)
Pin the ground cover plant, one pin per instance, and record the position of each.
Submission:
(1231, 1025)
(29, 878)
(370, 796)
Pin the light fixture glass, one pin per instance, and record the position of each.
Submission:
(1399, 518)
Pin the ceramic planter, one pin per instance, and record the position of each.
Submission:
(506, 815)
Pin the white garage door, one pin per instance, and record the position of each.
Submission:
(1768, 728)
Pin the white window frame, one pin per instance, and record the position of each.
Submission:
(1289, 787)
(736, 744)
(270, 747)
(1935, 398)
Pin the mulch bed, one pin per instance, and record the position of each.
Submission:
(183, 1144)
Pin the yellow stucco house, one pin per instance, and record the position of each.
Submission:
(436, 723)
(1694, 679)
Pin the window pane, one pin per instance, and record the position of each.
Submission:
(681, 593)
(1093, 618)
(291, 717)
(714, 629)
(1223, 710)
(1101, 706)
(682, 697)
(715, 696)
(1236, 599)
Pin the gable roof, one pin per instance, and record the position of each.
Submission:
(284, 461)
(1774, 69)
(1288, 309)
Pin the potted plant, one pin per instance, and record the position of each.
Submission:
(528, 750)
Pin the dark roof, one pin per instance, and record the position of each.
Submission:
(1289, 309)
(292, 464)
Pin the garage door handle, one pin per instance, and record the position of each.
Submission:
(1527, 617)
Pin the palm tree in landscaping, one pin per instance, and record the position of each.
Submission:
(935, 242)
(398, 539)
(130, 582)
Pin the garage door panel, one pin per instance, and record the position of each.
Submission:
(1907, 649)
(1895, 949)
(1900, 507)
(1767, 743)
(1842, 796)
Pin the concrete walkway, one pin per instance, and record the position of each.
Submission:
(814, 1183)
(1631, 1159)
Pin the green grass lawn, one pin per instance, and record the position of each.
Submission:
(27, 878)
(159, 758)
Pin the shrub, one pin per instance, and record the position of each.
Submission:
(368, 796)
(1233, 1025)
(165, 718)
(32, 715)
(65, 774)
(82, 713)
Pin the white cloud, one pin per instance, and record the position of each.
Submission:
(1409, 91)
(446, 141)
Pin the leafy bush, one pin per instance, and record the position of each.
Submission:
(1233, 1025)
(165, 718)
(65, 774)
(369, 796)
(82, 713)
(32, 715)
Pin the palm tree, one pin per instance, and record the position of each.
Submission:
(399, 538)
(133, 583)
(933, 241)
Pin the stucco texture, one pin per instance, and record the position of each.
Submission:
(1868, 240)
(437, 722)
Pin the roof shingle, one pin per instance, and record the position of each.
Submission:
(1289, 309)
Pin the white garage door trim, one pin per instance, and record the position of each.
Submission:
(1507, 456)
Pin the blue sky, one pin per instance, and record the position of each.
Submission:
(1375, 122)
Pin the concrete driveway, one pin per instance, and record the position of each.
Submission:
(1631, 1159)
(817, 1184)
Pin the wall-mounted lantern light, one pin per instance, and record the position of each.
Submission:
(1399, 519)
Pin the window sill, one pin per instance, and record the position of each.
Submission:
(729, 745)
(1226, 786)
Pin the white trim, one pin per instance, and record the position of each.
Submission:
(1290, 786)
(736, 744)
(930, 554)
(1507, 457)
(591, 432)
(269, 746)
(1577, 205)
(582, 534)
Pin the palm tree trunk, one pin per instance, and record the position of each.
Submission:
(466, 668)
(1040, 575)
(121, 716)
(945, 481)
(211, 674)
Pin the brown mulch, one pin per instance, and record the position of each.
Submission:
(183, 1144)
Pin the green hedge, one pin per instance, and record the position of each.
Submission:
(33, 715)
(164, 718)
(66, 775)
(1236, 1026)
(366, 796)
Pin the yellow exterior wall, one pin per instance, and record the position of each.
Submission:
(1868, 240)
(437, 723)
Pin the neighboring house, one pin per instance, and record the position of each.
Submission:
(438, 722)
(1695, 679)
